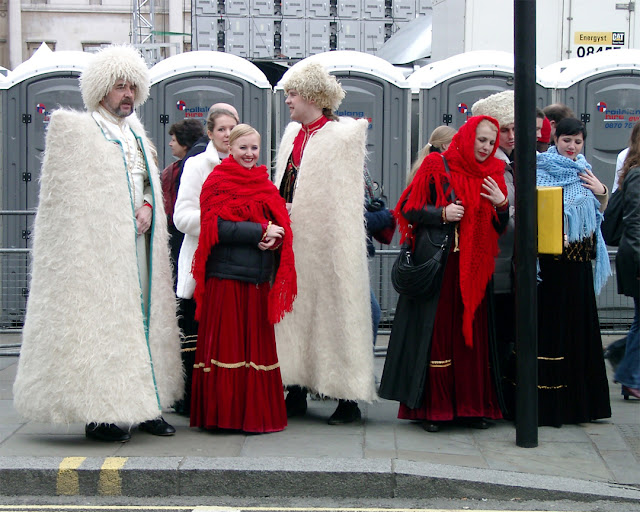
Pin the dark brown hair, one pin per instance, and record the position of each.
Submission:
(633, 156)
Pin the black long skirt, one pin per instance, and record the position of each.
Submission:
(572, 379)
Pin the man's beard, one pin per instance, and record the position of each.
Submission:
(120, 113)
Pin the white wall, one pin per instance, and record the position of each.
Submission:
(70, 23)
(466, 25)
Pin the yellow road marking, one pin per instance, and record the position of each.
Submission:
(110, 482)
(67, 482)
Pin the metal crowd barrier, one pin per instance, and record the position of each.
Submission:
(615, 311)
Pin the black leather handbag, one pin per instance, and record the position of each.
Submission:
(414, 280)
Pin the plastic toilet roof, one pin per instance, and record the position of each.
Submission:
(347, 60)
(434, 73)
(209, 61)
(565, 73)
(46, 61)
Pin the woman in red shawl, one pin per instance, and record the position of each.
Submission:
(438, 363)
(240, 294)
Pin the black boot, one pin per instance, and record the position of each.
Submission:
(296, 401)
(346, 412)
(109, 432)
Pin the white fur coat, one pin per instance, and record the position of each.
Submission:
(326, 342)
(85, 353)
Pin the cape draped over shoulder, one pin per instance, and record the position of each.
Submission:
(325, 344)
(88, 353)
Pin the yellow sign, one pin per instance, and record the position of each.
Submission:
(550, 220)
(593, 38)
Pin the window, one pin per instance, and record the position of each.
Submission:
(32, 46)
(93, 47)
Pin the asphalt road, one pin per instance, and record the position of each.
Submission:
(181, 504)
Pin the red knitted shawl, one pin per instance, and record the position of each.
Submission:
(478, 241)
(235, 193)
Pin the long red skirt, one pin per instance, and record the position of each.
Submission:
(236, 377)
(459, 382)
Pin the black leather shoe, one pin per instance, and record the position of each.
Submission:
(430, 426)
(479, 423)
(346, 412)
(109, 432)
(296, 401)
(157, 427)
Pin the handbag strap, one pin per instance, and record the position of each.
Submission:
(446, 168)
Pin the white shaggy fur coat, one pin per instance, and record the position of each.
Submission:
(326, 342)
(85, 355)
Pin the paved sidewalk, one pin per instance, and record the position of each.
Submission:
(382, 457)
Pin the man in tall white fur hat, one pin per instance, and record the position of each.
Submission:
(100, 340)
(324, 345)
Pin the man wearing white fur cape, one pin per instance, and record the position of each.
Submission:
(325, 343)
(100, 340)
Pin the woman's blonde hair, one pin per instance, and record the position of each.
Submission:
(440, 137)
(240, 130)
(215, 113)
(487, 123)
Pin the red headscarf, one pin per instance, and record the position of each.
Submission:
(545, 132)
(233, 192)
(478, 240)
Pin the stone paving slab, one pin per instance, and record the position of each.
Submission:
(382, 457)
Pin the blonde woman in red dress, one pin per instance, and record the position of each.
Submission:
(240, 293)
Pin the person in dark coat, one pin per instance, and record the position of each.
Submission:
(184, 135)
(628, 265)
(439, 363)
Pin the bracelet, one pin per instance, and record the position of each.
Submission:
(264, 235)
(503, 203)
(444, 215)
(147, 204)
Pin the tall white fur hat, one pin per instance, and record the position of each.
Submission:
(113, 63)
(499, 106)
(314, 83)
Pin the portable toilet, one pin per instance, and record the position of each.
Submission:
(447, 89)
(45, 82)
(603, 90)
(186, 85)
(379, 92)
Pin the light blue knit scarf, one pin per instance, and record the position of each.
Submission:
(582, 216)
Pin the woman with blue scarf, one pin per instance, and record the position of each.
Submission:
(572, 379)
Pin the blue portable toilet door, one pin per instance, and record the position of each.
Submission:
(612, 106)
(450, 102)
(464, 93)
(365, 99)
(192, 97)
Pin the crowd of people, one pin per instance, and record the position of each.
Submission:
(271, 277)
